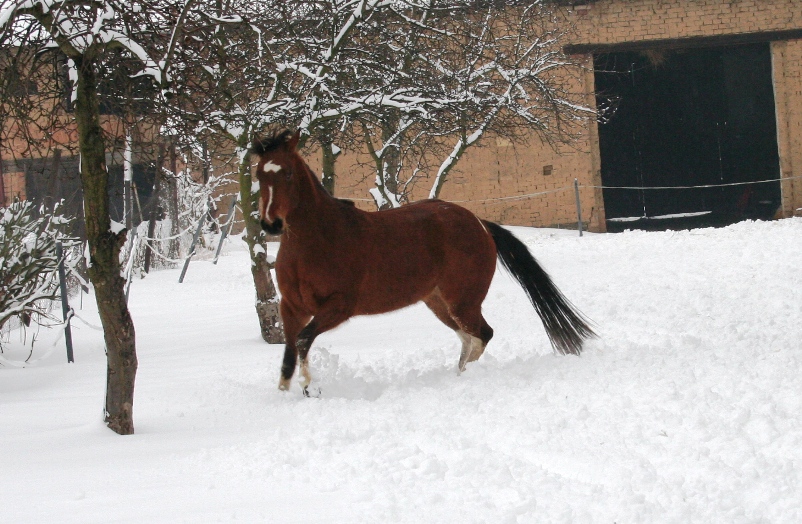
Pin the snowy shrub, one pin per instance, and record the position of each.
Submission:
(28, 262)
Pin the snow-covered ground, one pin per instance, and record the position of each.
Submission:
(687, 409)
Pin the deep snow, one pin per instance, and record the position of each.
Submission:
(687, 409)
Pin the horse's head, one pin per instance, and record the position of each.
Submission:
(278, 173)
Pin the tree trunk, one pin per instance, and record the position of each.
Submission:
(266, 296)
(328, 167)
(446, 167)
(174, 246)
(104, 251)
(392, 155)
(2, 185)
(329, 156)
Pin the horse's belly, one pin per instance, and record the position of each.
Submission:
(384, 293)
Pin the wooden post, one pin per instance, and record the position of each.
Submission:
(65, 306)
(174, 244)
(54, 192)
(135, 192)
(2, 184)
(2, 187)
(154, 207)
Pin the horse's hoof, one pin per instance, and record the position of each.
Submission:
(314, 393)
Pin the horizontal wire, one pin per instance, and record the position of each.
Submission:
(583, 186)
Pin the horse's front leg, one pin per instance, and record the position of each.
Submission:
(333, 312)
(294, 320)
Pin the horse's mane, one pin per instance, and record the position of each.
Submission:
(276, 140)
(271, 142)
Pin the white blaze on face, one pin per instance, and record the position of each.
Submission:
(264, 207)
(269, 167)
(269, 202)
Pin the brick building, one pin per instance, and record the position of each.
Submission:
(706, 92)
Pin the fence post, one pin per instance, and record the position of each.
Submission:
(128, 179)
(65, 306)
(192, 247)
(578, 207)
(226, 228)
(129, 270)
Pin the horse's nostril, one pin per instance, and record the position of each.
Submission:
(276, 228)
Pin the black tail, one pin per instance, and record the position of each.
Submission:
(567, 328)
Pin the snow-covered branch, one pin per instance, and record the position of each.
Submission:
(28, 261)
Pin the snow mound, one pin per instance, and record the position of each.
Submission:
(686, 409)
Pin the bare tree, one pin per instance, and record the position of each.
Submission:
(477, 69)
(416, 83)
(88, 33)
(28, 262)
(226, 97)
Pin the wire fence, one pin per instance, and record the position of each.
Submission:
(586, 186)
(589, 186)
(577, 186)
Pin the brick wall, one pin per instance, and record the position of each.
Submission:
(499, 170)
(496, 179)
(615, 21)
(489, 177)
(14, 186)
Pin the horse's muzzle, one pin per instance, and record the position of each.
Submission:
(276, 228)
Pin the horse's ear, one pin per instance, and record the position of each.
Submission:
(292, 142)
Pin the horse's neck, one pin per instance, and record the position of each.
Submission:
(316, 204)
(314, 182)
(312, 189)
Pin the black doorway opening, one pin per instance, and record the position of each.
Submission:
(687, 117)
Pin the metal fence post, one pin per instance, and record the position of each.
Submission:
(578, 207)
(226, 229)
(65, 306)
(192, 247)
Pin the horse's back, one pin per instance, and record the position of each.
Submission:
(419, 248)
(434, 226)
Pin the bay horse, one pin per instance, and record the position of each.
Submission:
(337, 261)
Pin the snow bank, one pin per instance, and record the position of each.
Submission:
(685, 410)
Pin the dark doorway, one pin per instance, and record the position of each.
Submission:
(143, 178)
(687, 117)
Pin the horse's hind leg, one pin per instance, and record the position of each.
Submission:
(464, 306)
(472, 346)
(474, 325)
